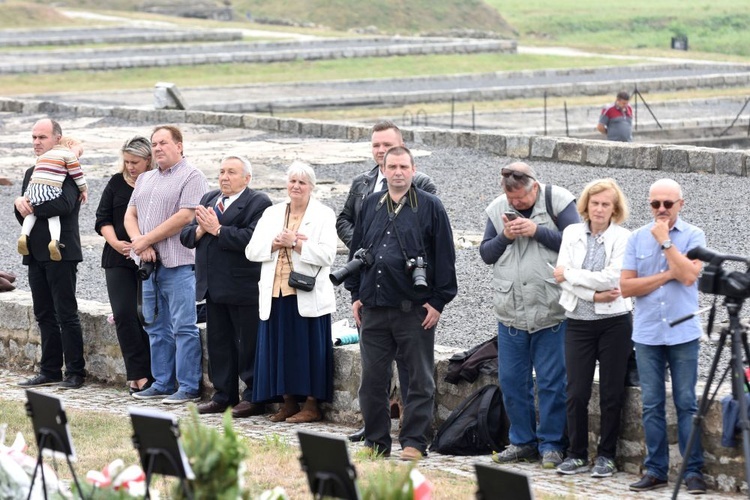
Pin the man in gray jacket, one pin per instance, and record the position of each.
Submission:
(521, 242)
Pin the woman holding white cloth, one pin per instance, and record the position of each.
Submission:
(599, 322)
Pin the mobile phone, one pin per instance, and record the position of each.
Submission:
(511, 215)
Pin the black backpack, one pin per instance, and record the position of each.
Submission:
(478, 426)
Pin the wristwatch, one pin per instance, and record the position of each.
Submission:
(667, 244)
(218, 231)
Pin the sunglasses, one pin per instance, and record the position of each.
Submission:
(656, 204)
(516, 175)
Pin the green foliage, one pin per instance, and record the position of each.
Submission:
(214, 457)
(391, 483)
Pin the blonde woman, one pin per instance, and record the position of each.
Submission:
(599, 322)
(119, 269)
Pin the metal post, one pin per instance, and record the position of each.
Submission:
(635, 110)
(453, 109)
(567, 132)
(545, 112)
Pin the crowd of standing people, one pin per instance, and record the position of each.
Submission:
(565, 275)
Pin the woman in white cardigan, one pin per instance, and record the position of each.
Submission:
(294, 354)
(599, 322)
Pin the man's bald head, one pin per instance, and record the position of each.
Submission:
(45, 134)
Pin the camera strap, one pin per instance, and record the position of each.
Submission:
(286, 250)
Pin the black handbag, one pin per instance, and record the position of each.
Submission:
(298, 280)
(302, 281)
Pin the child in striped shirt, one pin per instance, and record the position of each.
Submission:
(46, 184)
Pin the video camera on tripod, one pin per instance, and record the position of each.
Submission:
(716, 280)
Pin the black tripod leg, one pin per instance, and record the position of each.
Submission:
(739, 342)
(706, 400)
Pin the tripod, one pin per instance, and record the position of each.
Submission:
(738, 335)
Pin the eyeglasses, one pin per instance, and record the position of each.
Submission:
(656, 204)
(516, 175)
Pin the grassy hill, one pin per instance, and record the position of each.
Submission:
(21, 14)
(711, 26)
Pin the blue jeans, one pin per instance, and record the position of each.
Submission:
(683, 366)
(544, 351)
(173, 335)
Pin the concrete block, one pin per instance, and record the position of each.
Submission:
(570, 150)
(268, 123)
(492, 143)
(289, 126)
(250, 121)
(358, 133)
(543, 147)
(622, 156)
(701, 160)
(730, 163)
(466, 139)
(230, 120)
(674, 159)
(197, 117)
(647, 157)
(335, 130)
(310, 128)
(518, 146)
(597, 153)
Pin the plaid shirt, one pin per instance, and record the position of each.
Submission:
(158, 195)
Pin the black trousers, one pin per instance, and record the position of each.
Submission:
(231, 337)
(607, 340)
(385, 330)
(122, 287)
(53, 290)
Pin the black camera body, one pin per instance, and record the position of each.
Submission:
(362, 258)
(716, 280)
(417, 267)
(145, 269)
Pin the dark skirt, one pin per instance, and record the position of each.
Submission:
(294, 355)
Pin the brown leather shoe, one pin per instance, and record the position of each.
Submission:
(411, 454)
(305, 416)
(212, 407)
(283, 414)
(247, 409)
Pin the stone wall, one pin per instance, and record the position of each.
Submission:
(596, 153)
(20, 350)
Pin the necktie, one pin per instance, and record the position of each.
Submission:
(384, 184)
(220, 206)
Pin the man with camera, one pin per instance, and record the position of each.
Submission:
(664, 282)
(53, 283)
(163, 202)
(521, 241)
(385, 135)
(404, 276)
(224, 223)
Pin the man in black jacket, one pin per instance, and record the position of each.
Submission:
(385, 135)
(223, 225)
(53, 283)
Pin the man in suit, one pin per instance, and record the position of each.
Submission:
(53, 283)
(224, 223)
(385, 135)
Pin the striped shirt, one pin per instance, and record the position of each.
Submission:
(158, 195)
(53, 166)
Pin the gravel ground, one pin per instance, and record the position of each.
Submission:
(467, 181)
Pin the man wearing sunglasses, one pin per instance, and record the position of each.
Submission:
(521, 242)
(664, 283)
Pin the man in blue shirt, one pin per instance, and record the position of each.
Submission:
(664, 283)
(397, 300)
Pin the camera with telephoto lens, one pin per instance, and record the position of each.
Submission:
(362, 258)
(418, 269)
(145, 269)
(717, 281)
